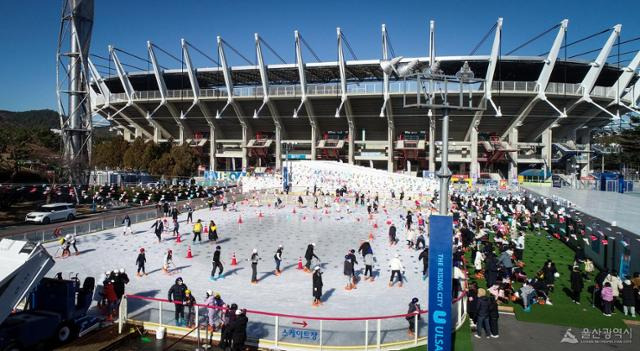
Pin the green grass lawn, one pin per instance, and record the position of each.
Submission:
(563, 311)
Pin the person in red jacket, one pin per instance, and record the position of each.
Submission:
(110, 295)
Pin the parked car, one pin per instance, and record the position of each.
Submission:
(52, 213)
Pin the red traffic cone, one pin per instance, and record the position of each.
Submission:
(375, 225)
(240, 219)
(234, 261)
(300, 263)
(370, 236)
(294, 210)
(260, 215)
(189, 255)
(206, 229)
(178, 240)
(326, 211)
(304, 218)
(388, 222)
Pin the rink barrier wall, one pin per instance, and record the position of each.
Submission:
(273, 330)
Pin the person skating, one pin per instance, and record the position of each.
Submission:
(213, 231)
(189, 214)
(300, 202)
(197, 231)
(189, 301)
(158, 227)
(396, 269)
(215, 304)
(168, 261)
(348, 272)
(176, 227)
(121, 280)
(177, 295)
(71, 238)
(254, 266)
(216, 264)
(317, 286)
(368, 267)
(278, 259)
(309, 255)
(392, 235)
(140, 262)
(126, 222)
(354, 262)
(414, 309)
(165, 207)
(409, 220)
(424, 257)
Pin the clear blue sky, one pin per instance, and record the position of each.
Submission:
(29, 29)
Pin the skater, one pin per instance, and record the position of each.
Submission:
(177, 295)
(392, 235)
(414, 309)
(126, 221)
(411, 237)
(168, 261)
(121, 280)
(396, 269)
(365, 248)
(409, 220)
(300, 202)
(189, 214)
(278, 258)
(420, 240)
(140, 261)
(197, 231)
(189, 301)
(354, 262)
(254, 266)
(368, 267)
(174, 213)
(71, 239)
(165, 207)
(315, 201)
(216, 264)
(278, 203)
(317, 286)
(213, 231)
(158, 228)
(309, 255)
(176, 228)
(348, 272)
(214, 308)
(424, 257)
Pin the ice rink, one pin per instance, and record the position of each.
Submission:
(334, 234)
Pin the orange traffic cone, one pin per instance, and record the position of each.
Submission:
(300, 263)
(240, 219)
(388, 222)
(370, 236)
(375, 225)
(234, 261)
(178, 240)
(189, 255)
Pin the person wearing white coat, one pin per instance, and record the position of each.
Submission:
(396, 269)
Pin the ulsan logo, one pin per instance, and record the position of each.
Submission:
(440, 317)
(569, 337)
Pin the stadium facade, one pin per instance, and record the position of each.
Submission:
(354, 110)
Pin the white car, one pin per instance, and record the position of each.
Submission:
(51, 213)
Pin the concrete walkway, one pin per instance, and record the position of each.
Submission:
(525, 336)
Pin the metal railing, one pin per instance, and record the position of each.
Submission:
(291, 332)
(88, 226)
(354, 88)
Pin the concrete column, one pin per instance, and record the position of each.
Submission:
(314, 143)
(390, 140)
(278, 149)
(245, 141)
(583, 136)
(126, 134)
(513, 164)
(352, 145)
(156, 134)
(212, 149)
(474, 167)
(181, 135)
(432, 145)
(547, 147)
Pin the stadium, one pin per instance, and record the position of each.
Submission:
(355, 110)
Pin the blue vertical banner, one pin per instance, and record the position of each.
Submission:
(285, 176)
(440, 267)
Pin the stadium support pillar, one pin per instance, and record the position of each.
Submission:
(278, 148)
(432, 145)
(245, 141)
(546, 147)
(314, 142)
(474, 168)
(390, 137)
(513, 156)
(156, 134)
(212, 148)
(352, 135)
(583, 137)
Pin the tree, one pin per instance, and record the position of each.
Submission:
(109, 153)
(185, 160)
(132, 157)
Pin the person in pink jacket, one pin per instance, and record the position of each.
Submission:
(607, 299)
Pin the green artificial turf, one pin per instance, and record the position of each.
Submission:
(563, 312)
